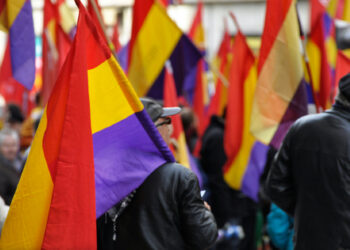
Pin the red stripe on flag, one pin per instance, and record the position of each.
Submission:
(68, 151)
(342, 68)
(170, 100)
(276, 11)
(242, 63)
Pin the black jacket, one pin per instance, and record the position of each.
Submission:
(226, 203)
(167, 212)
(310, 179)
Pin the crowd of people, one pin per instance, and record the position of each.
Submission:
(303, 203)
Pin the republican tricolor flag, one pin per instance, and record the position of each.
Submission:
(280, 95)
(94, 145)
(155, 38)
(245, 156)
(16, 19)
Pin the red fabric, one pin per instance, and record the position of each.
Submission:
(140, 12)
(317, 10)
(55, 54)
(68, 148)
(242, 63)
(50, 62)
(198, 99)
(342, 68)
(94, 17)
(276, 11)
(170, 100)
(224, 50)
(10, 89)
(197, 20)
(317, 36)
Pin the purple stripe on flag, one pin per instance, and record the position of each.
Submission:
(183, 61)
(123, 57)
(124, 155)
(22, 47)
(251, 178)
(297, 108)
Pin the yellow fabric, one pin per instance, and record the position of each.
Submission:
(331, 48)
(315, 63)
(346, 13)
(278, 81)
(198, 37)
(67, 18)
(154, 44)
(182, 152)
(31, 203)
(13, 8)
(332, 7)
(234, 176)
(108, 96)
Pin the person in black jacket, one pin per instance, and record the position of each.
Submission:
(310, 176)
(228, 205)
(165, 212)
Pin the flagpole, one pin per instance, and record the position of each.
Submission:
(99, 17)
(307, 63)
(235, 21)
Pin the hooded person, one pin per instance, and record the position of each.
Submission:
(310, 176)
(166, 211)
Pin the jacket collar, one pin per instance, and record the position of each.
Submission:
(341, 110)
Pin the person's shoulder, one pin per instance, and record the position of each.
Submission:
(174, 168)
(311, 120)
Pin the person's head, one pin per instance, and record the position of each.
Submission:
(160, 117)
(14, 116)
(343, 95)
(9, 144)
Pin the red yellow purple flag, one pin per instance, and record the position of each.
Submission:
(86, 153)
(245, 156)
(170, 100)
(343, 68)
(16, 19)
(280, 95)
(148, 53)
(219, 101)
(321, 48)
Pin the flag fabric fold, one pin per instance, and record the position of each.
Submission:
(245, 156)
(280, 73)
(58, 33)
(16, 19)
(321, 48)
(148, 53)
(94, 145)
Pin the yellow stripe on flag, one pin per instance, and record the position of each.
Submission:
(107, 96)
(234, 175)
(279, 79)
(182, 153)
(31, 203)
(314, 54)
(153, 46)
(13, 9)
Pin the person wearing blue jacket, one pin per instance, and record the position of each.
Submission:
(280, 228)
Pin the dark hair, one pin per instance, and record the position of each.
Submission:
(14, 113)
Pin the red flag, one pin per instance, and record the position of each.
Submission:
(343, 68)
(56, 44)
(10, 89)
(94, 17)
